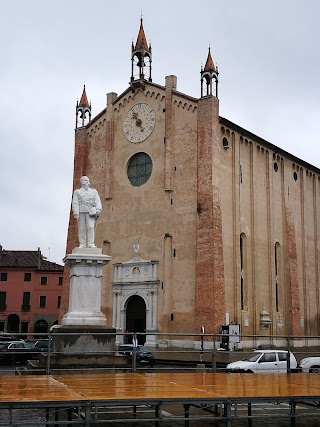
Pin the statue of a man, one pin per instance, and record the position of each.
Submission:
(86, 207)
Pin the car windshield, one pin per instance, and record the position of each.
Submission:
(2, 345)
(253, 357)
(41, 344)
(26, 345)
(142, 349)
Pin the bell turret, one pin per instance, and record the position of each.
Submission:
(209, 78)
(83, 110)
(141, 60)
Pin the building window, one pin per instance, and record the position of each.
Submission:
(59, 301)
(3, 296)
(225, 143)
(139, 169)
(4, 277)
(242, 270)
(27, 277)
(43, 280)
(295, 176)
(60, 280)
(26, 301)
(43, 300)
(275, 166)
(276, 274)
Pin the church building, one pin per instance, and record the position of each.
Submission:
(207, 224)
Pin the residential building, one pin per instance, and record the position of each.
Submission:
(30, 291)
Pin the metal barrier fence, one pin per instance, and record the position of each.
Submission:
(178, 352)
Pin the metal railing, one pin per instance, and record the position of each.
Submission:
(178, 352)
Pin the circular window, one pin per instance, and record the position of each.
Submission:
(139, 169)
(295, 176)
(275, 166)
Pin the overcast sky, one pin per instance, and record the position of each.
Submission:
(268, 57)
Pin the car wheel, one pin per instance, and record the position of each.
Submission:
(314, 369)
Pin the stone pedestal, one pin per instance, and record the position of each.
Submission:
(83, 346)
(83, 339)
(85, 287)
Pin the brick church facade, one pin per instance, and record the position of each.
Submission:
(207, 224)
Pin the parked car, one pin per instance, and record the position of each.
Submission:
(310, 364)
(264, 361)
(42, 346)
(144, 356)
(9, 337)
(17, 351)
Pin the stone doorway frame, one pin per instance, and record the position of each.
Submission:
(135, 277)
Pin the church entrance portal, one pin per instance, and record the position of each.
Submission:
(135, 300)
(136, 317)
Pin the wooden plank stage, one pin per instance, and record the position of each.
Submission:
(84, 393)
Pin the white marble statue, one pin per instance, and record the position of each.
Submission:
(86, 207)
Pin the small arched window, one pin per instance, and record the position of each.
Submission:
(225, 142)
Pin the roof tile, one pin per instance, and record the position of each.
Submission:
(27, 259)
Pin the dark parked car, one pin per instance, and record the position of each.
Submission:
(144, 356)
(9, 337)
(42, 346)
(17, 351)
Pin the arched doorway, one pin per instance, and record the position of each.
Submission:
(41, 327)
(13, 323)
(136, 317)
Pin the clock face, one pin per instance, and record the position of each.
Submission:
(139, 122)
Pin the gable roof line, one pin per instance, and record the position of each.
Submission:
(268, 144)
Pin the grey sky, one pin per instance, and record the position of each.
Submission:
(267, 53)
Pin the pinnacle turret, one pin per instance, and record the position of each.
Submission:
(209, 78)
(83, 110)
(141, 60)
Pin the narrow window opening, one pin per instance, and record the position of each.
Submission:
(3, 296)
(241, 274)
(26, 301)
(44, 280)
(27, 277)
(276, 276)
(225, 143)
(4, 277)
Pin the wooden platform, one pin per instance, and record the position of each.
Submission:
(85, 392)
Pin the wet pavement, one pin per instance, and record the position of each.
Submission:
(270, 415)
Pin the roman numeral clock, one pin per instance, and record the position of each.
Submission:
(139, 122)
